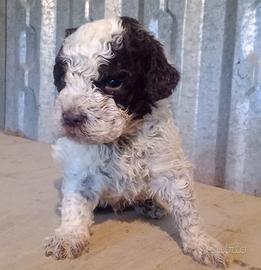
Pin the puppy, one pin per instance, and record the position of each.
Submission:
(118, 144)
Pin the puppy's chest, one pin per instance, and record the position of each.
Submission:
(123, 170)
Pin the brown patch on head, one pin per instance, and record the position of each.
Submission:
(142, 68)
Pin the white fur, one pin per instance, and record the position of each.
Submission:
(117, 159)
(84, 52)
(91, 43)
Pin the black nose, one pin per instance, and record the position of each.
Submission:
(73, 119)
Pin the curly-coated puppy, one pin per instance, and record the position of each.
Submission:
(118, 144)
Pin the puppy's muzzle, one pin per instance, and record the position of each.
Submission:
(74, 119)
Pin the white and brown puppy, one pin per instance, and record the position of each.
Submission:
(119, 145)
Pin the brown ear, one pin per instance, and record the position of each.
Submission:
(161, 78)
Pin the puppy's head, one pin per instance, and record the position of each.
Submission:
(109, 73)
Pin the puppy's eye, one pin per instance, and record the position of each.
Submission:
(113, 84)
(109, 86)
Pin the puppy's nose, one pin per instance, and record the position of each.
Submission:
(73, 119)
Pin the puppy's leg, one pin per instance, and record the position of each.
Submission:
(71, 238)
(176, 195)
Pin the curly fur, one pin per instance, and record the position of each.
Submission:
(128, 148)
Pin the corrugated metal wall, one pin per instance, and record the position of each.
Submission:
(216, 45)
(2, 62)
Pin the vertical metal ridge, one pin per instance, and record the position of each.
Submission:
(225, 90)
(113, 8)
(47, 56)
(141, 11)
(3, 13)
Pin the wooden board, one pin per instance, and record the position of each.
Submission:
(29, 196)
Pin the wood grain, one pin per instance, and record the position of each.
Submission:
(28, 201)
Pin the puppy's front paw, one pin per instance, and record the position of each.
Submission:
(207, 250)
(65, 245)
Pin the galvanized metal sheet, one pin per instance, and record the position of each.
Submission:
(216, 46)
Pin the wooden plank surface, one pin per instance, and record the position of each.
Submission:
(29, 197)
